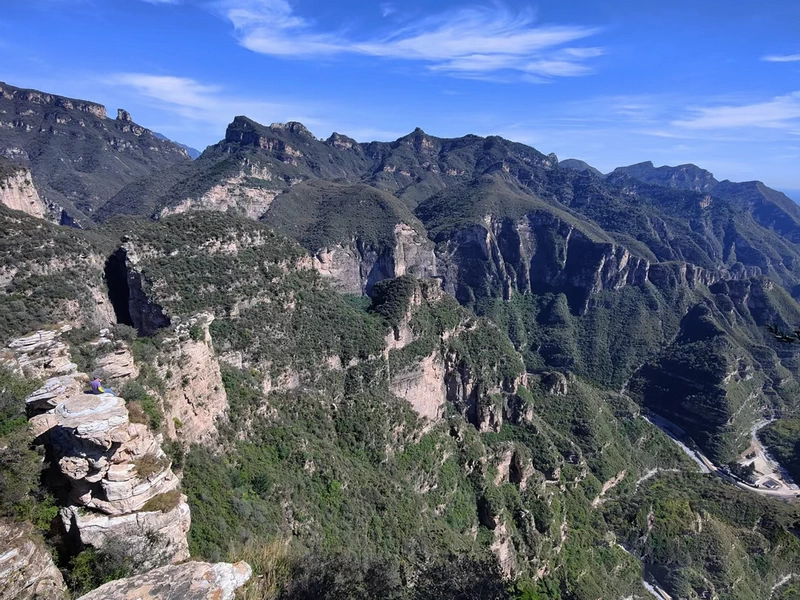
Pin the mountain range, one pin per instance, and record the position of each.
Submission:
(403, 352)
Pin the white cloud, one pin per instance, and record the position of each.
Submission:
(782, 58)
(387, 9)
(781, 112)
(207, 104)
(476, 41)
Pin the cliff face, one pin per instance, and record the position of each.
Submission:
(195, 394)
(355, 267)
(17, 191)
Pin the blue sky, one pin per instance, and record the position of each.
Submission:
(613, 82)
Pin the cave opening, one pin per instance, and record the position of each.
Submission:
(119, 292)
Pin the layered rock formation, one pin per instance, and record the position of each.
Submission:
(120, 484)
(188, 581)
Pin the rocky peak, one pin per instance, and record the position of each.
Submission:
(342, 142)
(292, 127)
(123, 115)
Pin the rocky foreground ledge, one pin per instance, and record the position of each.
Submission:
(189, 581)
(121, 490)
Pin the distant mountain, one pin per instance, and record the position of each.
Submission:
(192, 152)
(578, 165)
(793, 194)
(684, 177)
(77, 156)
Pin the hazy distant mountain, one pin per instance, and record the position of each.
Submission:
(685, 177)
(578, 165)
(192, 152)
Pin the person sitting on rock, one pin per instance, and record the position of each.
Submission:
(97, 388)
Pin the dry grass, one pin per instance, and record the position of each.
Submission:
(136, 413)
(164, 502)
(271, 563)
(150, 464)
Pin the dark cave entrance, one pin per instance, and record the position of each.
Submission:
(119, 293)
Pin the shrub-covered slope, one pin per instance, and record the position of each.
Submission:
(79, 158)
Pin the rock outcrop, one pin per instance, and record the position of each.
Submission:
(114, 469)
(120, 482)
(27, 571)
(423, 386)
(17, 191)
(188, 581)
(195, 395)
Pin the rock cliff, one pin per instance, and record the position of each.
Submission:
(17, 191)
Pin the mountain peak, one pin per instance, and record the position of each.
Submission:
(292, 127)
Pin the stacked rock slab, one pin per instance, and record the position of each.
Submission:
(97, 450)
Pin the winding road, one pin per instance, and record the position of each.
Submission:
(677, 435)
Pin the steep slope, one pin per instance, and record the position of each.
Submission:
(78, 157)
(406, 429)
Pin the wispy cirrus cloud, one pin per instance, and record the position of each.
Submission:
(205, 104)
(781, 112)
(468, 42)
(781, 58)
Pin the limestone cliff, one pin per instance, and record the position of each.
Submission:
(194, 395)
(540, 253)
(353, 268)
(17, 192)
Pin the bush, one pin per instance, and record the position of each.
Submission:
(196, 333)
(149, 464)
(142, 407)
(123, 332)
